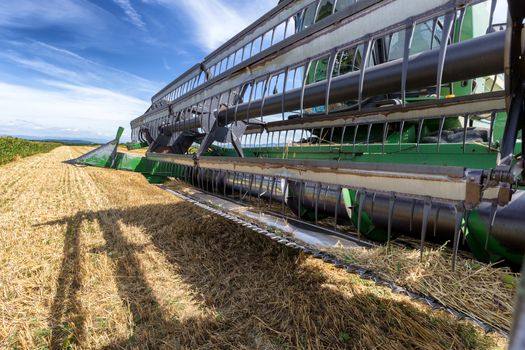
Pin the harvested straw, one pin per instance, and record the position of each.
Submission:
(479, 290)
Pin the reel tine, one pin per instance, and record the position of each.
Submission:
(460, 211)
(285, 190)
(391, 203)
(207, 178)
(373, 206)
(194, 177)
(271, 192)
(317, 190)
(492, 217)
(467, 218)
(368, 138)
(436, 219)
(401, 129)
(362, 198)
(426, 213)
(383, 140)
(198, 175)
(465, 126)
(242, 186)
(409, 34)
(342, 139)
(268, 187)
(227, 178)
(213, 181)
(445, 35)
(326, 196)
(461, 20)
(261, 181)
(233, 184)
(250, 188)
(339, 190)
(285, 145)
(299, 200)
(491, 128)
(218, 179)
(441, 124)
(355, 137)
(412, 213)
(419, 132)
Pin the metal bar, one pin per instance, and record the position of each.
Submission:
(465, 128)
(299, 200)
(383, 140)
(391, 203)
(440, 133)
(331, 65)
(419, 132)
(447, 29)
(409, 35)
(401, 129)
(445, 183)
(337, 201)
(364, 64)
(491, 129)
(426, 213)
(457, 231)
(284, 195)
(317, 195)
(362, 198)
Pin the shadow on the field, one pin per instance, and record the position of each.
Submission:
(67, 317)
(261, 295)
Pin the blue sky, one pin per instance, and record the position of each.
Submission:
(80, 68)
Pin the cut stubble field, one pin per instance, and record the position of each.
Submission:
(99, 259)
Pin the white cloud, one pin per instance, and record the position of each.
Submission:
(64, 65)
(216, 21)
(76, 98)
(28, 13)
(131, 13)
(65, 110)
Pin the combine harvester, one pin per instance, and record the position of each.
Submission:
(376, 117)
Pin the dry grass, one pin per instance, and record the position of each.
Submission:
(93, 258)
(479, 290)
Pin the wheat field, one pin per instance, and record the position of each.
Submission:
(99, 259)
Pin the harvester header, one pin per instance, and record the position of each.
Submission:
(363, 119)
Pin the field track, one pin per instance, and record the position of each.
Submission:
(99, 259)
